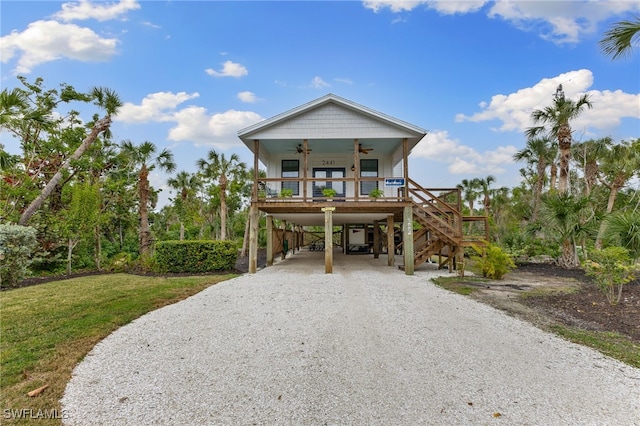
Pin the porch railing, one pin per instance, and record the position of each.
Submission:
(309, 190)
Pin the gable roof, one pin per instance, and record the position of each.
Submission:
(346, 119)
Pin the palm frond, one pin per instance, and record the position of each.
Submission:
(618, 41)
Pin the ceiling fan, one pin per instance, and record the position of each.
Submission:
(363, 150)
(300, 149)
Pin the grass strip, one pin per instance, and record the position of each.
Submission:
(45, 330)
(611, 344)
(461, 285)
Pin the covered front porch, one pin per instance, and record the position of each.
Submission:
(327, 216)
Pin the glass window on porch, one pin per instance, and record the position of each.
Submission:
(368, 168)
(291, 169)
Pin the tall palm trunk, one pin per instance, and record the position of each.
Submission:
(100, 126)
(614, 188)
(553, 176)
(98, 247)
(541, 168)
(564, 148)
(568, 258)
(223, 207)
(590, 175)
(245, 240)
(143, 209)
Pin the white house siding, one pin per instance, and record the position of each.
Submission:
(331, 121)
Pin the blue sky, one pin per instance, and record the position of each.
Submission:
(192, 73)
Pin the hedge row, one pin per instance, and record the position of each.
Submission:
(195, 256)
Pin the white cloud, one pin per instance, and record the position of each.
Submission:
(247, 97)
(514, 110)
(462, 159)
(343, 80)
(395, 6)
(229, 69)
(154, 107)
(45, 41)
(446, 7)
(557, 21)
(192, 123)
(85, 9)
(217, 130)
(319, 83)
(151, 25)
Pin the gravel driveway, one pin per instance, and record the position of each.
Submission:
(366, 345)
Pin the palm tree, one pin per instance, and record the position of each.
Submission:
(619, 40)
(566, 218)
(558, 116)
(216, 166)
(185, 183)
(486, 192)
(540, 153)
(470, 189)
(619, 165)
(105, 99)
(588, 154)
(143, 158)
(623, 228)
(13, 105)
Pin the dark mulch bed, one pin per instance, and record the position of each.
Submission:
(588, 308)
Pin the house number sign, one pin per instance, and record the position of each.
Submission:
(328, 162)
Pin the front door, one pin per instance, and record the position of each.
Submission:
(325, 172)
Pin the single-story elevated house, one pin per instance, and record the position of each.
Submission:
(334, 163)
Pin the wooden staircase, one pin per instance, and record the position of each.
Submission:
(442, 224)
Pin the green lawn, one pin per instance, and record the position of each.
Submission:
(45, 330)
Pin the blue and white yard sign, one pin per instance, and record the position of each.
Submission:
(395, 182)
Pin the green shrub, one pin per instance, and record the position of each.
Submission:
(195, 256)
(121, 262)
(286, 193)
(16, 246)
(611, 268)
(495, 262)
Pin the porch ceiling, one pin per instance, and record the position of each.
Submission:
(311, 214)
(323, 147)
(339, 219)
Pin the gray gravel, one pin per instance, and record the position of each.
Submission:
(291, 345)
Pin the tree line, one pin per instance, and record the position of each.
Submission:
(83, 191)
(90, 200)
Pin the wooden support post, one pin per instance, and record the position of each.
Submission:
(407, 240)
(376, 239)
(328, 239)
(405, 166)
(305, 166)
(293, 238)
(460, 261)
(343, 240)
(256, 156)
(346, 239)
(269, 240)
(356, 172)
(253, 239)
(284, 239)
(391, 242)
